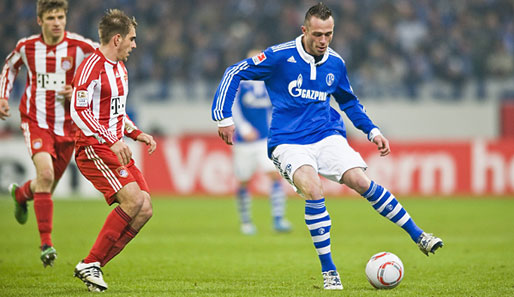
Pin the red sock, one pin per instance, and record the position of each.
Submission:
(44, 209)
(24, 193)
(113, 227)
(128, 234)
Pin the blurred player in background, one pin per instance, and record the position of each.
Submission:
(252, 111)
(307, 136)
(51, 59)
(98, 107)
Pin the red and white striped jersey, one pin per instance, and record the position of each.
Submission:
(100, 90)
(49, 69)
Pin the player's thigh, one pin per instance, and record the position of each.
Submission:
(336, 156)
(287, 158)
(64, 151)
(102, 168)
(245, 161)
(37, 139)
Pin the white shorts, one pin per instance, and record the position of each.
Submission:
(250, 157)
(331, 157)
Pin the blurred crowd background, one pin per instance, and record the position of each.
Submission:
(409, 49)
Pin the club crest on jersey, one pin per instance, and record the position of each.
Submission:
(330, 79)
(66, 63)
(37, 143)
(81, 100)
(122, 171)
(259, 58)
(295, 90)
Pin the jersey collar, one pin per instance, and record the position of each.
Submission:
(306, 56)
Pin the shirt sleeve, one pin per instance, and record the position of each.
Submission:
(12, 66)
(255, 68)
(350, 104)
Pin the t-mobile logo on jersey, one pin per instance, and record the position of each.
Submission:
(117, 106)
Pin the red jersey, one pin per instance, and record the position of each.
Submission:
(98, 103)
(49, 69)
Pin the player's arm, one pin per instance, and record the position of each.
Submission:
(349, 103)
(254, 68)
(10, 70)
(132, 131)
(244, 128)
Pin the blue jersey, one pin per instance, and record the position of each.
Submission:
(299, 90)
(252, 109)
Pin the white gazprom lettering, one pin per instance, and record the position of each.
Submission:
(295, 90)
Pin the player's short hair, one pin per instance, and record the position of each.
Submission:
(43, 6)
(115, 22)
(319, 10)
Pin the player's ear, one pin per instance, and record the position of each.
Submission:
(304, 29)
(117, 39)
(39, 21)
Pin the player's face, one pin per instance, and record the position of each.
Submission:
(317, 35)
(127, 44)
(52, 25)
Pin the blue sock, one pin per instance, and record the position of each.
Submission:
(319, 223)
(244, 204)
(386, 204)
(277, 200)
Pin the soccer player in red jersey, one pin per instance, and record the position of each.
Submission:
(51, 59)
(98, 105)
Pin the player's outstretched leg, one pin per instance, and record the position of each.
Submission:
(20, 207)
(244, 205)
(48, 255)
(319, 224)
(386, 204)
(278, 207)
(91, 274)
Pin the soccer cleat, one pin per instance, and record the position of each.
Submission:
(428, 243)
(91, 275)
(331, 280)
(248, 229)
(281, 225)
(48, 255)
(20, 209)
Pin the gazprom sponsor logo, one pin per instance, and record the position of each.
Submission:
(295, 89)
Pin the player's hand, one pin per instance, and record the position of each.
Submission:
(122, 151)
(66, 92)
(148, 139)
(250, 135)
(227, 134)
(4, 109)
(382, 144)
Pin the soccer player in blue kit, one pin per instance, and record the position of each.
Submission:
(252, 111)
(307, 136)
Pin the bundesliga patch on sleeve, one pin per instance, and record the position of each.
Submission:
(259, 58)
(81, 99)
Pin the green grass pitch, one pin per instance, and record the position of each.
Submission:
(192, 247)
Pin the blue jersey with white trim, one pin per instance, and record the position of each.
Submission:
(299, 89)
(252, 109)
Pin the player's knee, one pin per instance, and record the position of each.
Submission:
(134, 204)
(45, 179)
(359, 182)
(146, 211)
